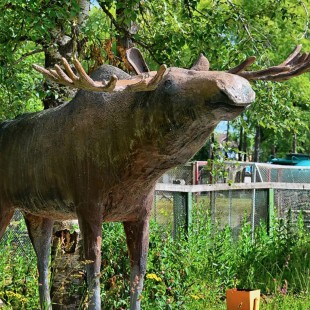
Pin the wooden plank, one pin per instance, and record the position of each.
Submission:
(297, 186)
(226, 187)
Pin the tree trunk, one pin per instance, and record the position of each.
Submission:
(123, 39)
(273, 150)
(227, 132)
(294, 146)
(240, 146)
(56, 94)
(67, 271)
(244, 146)
(63, 46)
(257, 144)
(67, 276)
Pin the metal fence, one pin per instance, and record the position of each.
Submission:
(18, 237)
(203, 172)
(293, 202)
(243, 192)
(225, 207)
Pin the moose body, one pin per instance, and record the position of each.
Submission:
(102, 149)
(98, 157)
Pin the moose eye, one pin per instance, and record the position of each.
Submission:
(170, 87)
(168, 84)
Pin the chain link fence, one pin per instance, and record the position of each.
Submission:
(243, 172)
(283, 174)
(290, 203)
(17, 235)
(178, 175)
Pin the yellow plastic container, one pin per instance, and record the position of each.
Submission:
(238, 299)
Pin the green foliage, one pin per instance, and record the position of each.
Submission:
(280, 111)
(27, 28)
(98, 32)
(19, 91)
(115, 274)
(23, 20)
(194, 272)
(18, 281)
(191, 273)
(210, 261)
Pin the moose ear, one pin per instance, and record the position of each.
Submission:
(136, 60)
(201, 64)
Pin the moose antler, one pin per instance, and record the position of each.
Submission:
(295, 64)
(142, 82)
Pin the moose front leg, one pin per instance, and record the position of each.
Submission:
(40, 233)
(91, 230)
(137, 234)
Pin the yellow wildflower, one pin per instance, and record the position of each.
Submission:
(153, 276)
(18, 296)
(196, 297)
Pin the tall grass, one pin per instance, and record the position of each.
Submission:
(190, 273)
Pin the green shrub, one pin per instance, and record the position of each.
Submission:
(190, 273)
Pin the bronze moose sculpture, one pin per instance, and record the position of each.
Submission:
(98, 157)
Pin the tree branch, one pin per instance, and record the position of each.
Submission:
(113, 20)
(27, 54)
(126, 32)
(307, 21)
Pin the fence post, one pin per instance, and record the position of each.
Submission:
(253, 203)
(189, 207)
(229, 208)
(178, 213)
(182, 213)
(270, 209)
(212, 206)
(155, 206)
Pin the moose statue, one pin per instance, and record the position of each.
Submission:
(97, 158)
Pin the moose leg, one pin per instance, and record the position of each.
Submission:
(5, 217)
(137, 234)
(91, 230)
(40, 233)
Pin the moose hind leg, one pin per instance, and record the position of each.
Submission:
(40, 233)
(91, 230)
(137, 234)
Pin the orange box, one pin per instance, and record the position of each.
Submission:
(238, 299)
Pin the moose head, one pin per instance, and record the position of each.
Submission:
(98, 157)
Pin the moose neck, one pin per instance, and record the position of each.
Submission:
(137, 135)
